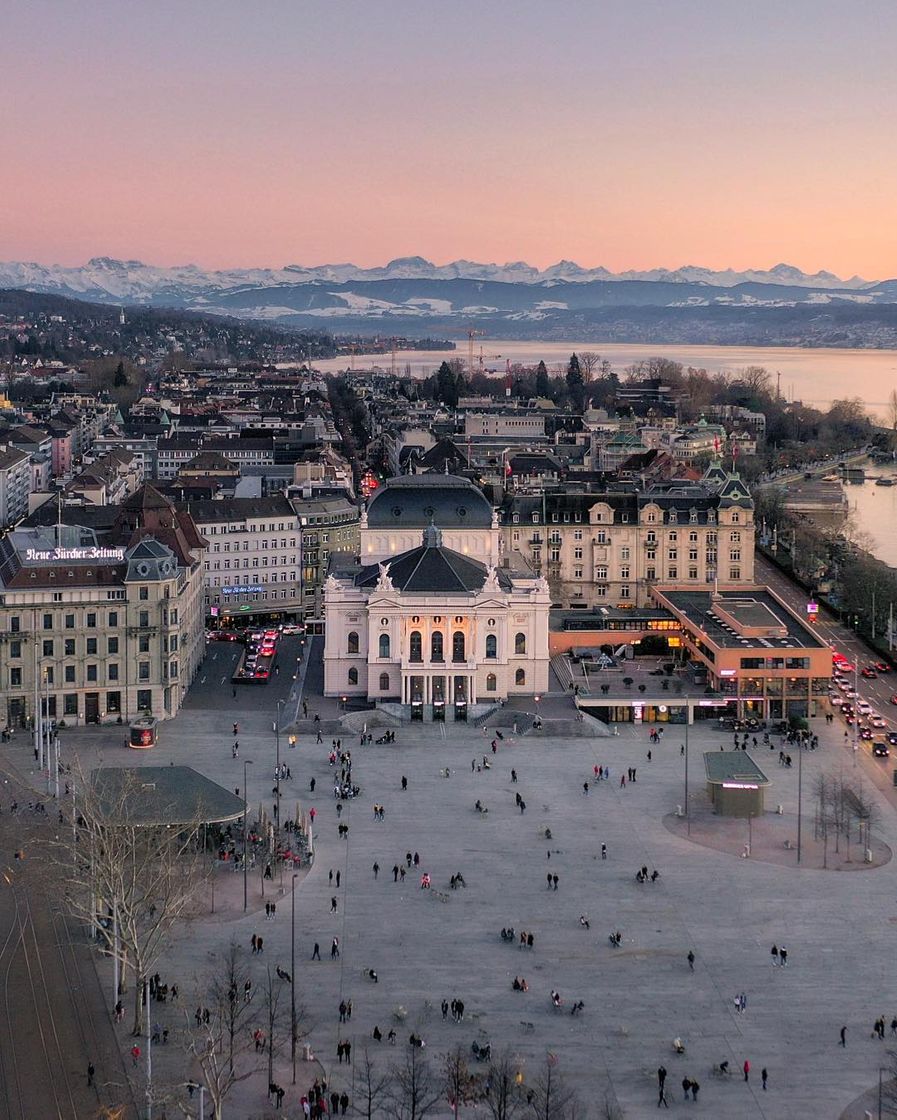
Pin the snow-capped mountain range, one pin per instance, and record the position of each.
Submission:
(107, 280)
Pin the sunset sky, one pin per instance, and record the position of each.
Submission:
(624, 133)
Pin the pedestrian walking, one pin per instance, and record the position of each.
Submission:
(333, 905)
(604, 851)
(746, 1068)
(90, 1072)
(843, 1041)
(334, 948)
(691, 960)
(774, 952)
(376, 869)
(661, 1076)
(783, 956)
(404, 782)
(316, 952)
(694, 1089)
(395, 872)
(622, 781)
(330, 876)
(686, 1085)
(763, 1076)
(554, 880)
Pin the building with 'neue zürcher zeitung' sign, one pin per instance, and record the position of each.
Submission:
(101, 624)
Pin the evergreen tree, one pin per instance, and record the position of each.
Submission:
(447, 385)
(543, 386)
(121, 378)
(575, 381)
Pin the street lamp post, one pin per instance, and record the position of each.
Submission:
(688, 818)
(293, 977)
(246, 762)
(800, 787)
(280, 704)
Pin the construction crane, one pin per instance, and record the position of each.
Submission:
(471, 335)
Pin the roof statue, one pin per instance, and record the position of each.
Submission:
(384, 583)
(331, 583)
(541, 584)
(491, 583)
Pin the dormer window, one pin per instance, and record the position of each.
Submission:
(674, 516)
(652, 517)
(693, 517)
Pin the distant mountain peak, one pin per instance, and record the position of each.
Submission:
(107, 279)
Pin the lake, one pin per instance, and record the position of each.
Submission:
(814, 376)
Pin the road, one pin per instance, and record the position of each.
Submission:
(52, 1017)
(879, 691)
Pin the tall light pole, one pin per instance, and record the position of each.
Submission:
(856, 707)
(687, 814)
(246, 762)
(293, 977)
(800, 787)
(280, 704)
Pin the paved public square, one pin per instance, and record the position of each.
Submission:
(427, 946)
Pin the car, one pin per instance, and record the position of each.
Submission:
(293, 628)
(875, 720)
(222, 636)
(851, 693)
(272, 635)
(864, 706)
(892, 738)
(835, 700)
(268, 649)
(881, 666)
(261, 674)
(880, 750)
(847, 710)
(866, 733)
(869, 674)
(845, 685)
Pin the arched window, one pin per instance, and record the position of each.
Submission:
(352, 642)
(416, 652)
(384, 682)
(384, 645)
(490, 682)
(520, 677)
(353, 675)
(436, 650)
(520, 643)
(491, 646)
(458, 646)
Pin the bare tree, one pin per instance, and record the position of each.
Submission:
(274, 1017)
(503, 1097)
(414, 1091)
(221, 1045)
(127, 877)
(370, 1087)
(457, 1080)
(550, 1098)
(589, 363)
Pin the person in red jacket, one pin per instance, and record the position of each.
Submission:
(747, 1069)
